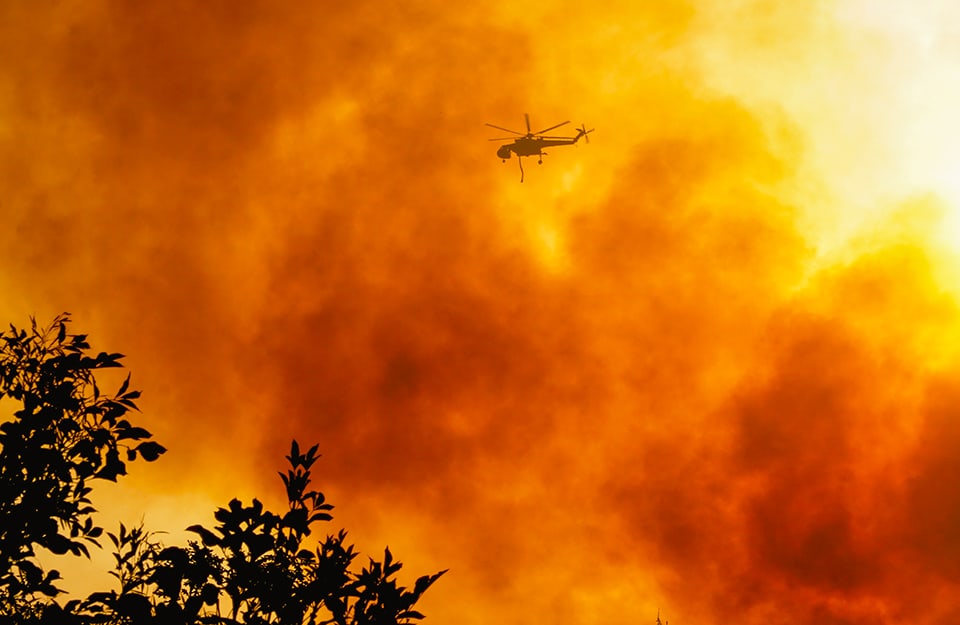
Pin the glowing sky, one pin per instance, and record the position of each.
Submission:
(706, 363)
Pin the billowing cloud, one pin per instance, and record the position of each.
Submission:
(652, 375)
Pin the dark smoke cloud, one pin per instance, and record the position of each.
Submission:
(280, 213)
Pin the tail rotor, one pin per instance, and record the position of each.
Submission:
(584, 132)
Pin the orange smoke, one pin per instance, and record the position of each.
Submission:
(671, 369)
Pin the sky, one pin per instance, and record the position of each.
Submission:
(706, 364)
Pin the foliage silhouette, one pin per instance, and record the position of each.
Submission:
(253, 567)
(65, 435)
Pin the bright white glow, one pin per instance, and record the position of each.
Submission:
(917, 68)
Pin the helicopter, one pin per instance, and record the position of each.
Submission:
(532, 143)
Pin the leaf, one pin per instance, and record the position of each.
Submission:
(425, 582)
(109, 360)
(124, 386)
(209, 593)
(31, 571)
(294, 456)
(209, 538)
(177, 556)
(134, 606)
(136, 433)
(57, 544)
(114, 466)
(79, 548)
(150, 450)
(102, 597)
(49, 590)
(296, 519)
(410, 614)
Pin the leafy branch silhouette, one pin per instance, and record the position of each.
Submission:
(253, 566)
(65, 435)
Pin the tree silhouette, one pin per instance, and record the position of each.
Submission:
(65, 435)
(253, 567)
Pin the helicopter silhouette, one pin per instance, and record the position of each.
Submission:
(532, 143)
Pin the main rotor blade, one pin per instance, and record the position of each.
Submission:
(503, 139)
(526, 116)
(552, 127)
(505, 129)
